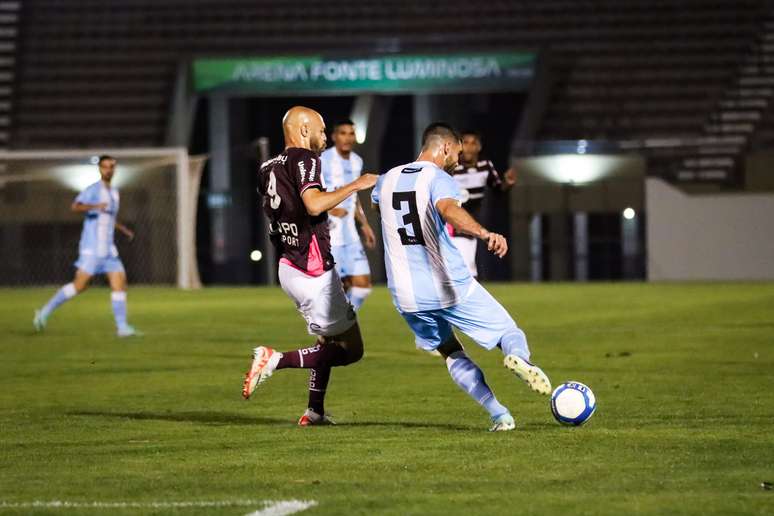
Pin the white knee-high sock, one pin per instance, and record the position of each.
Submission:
(118, 300)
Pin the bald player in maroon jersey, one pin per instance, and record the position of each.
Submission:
(296, 204)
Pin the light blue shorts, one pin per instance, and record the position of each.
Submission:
(95, 265)
(350, 260)
(479, 316)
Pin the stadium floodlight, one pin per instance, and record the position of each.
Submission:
(159, 188)
(360, 113)
(574, 168)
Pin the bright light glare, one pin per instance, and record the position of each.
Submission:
(360, 133)
(574, 168)
(361, 111)
(256, 256)
(76, 177)
(629, 213)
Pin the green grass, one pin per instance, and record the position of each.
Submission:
(683, 374)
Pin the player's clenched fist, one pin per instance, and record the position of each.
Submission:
(496, 243)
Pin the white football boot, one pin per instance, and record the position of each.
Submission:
(39, 322)
(534, 376)
(265, 361)
(127, 330)
(502, 423)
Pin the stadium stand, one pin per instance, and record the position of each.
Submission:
(9, 31)
(96, 73)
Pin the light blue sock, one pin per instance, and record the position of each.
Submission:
(514, 342)
(63, 294)
(357, 295)
(470, 378)
(118, 300)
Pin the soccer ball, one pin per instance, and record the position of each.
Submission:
(573, 403)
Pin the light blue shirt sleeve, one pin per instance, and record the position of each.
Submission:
(443, 186)
(90, 195)
(376, 189)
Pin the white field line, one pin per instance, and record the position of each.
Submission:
(283, 508)
(271, 507)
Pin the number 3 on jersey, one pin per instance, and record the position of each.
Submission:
(271, 190)
(399, 199)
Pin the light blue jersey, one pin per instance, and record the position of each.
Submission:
(337, 172)
(99, 225)
(425, 271)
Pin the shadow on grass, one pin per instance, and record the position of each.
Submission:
(227, 419)
(473, 427)
(408, 424)
(207, 418)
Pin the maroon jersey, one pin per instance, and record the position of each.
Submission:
(300, 238)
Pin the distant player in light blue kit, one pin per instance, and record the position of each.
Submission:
(429, 281)
(97, 252)
(341, 166)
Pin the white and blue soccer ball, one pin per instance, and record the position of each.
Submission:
(573, 403)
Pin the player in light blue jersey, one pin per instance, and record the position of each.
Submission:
(341, 166)
(429, 280)
(97, 251)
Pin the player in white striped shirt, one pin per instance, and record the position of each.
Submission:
(429, 281)
(340, 166)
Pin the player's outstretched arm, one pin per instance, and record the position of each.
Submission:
(79, 207)
(463, 222)
(317, 201)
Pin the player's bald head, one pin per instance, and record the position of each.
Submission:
(298, 115)
(305, 128)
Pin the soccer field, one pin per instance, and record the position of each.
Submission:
(683, 376)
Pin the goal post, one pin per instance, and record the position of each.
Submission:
(39, 234)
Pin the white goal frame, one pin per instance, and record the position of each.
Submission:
(187, 191)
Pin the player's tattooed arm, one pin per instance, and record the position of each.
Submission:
(463, 222)
(318, 202)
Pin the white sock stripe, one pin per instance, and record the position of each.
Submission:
(317, 390)
(118, 296)
(486, 397)
(69, 290)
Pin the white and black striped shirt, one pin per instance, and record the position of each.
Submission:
(475, 179)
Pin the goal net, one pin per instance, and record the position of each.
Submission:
(39, 234)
